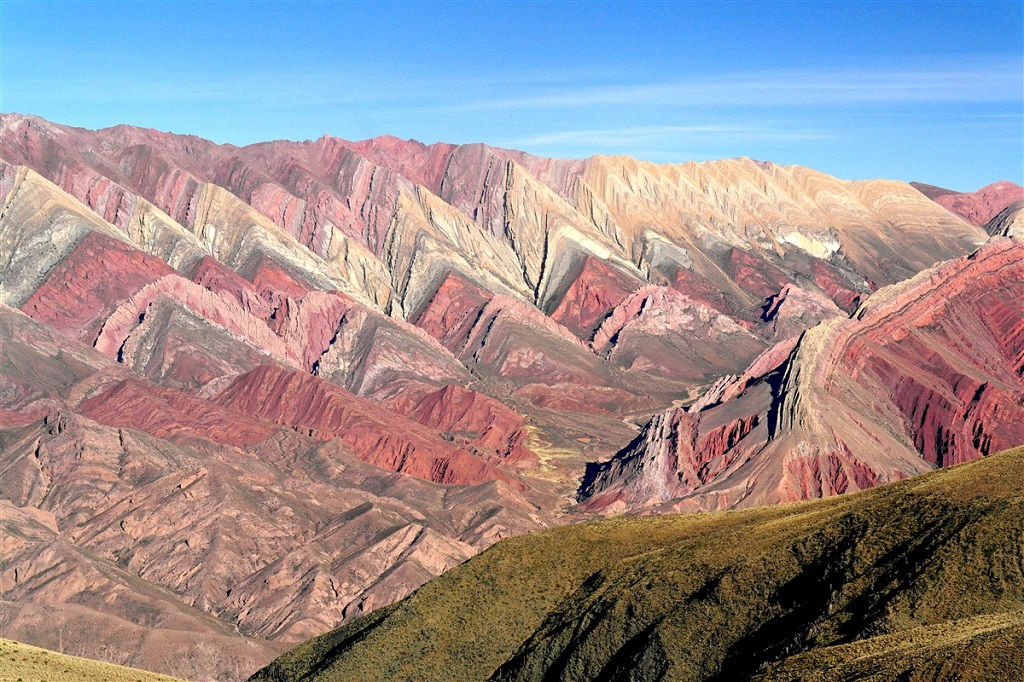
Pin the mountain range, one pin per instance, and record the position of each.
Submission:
(249, 394)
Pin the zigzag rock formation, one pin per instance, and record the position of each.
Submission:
(248, 394)
(926, 373)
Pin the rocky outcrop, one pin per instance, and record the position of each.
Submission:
(85, 288)
(122, 322)
(449, 315)
(484, 425)
(282, 385)
(591, 296)
(661, 331)
(164, 514)
(792, 310)
(1009, 222)
(927, 373)
(212, 275)
(323, 411)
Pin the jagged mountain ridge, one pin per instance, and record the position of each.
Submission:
(926, 373)
(523, 220)
(486, 318)
(727, 234)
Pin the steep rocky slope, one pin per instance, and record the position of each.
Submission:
(926, 373)
(390, 218)
(250, 393)
(173, 523)
(918, 580)
(1009, 222)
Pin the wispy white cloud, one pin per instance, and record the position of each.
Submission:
(973, 81)
(977, 80)
(631, 137)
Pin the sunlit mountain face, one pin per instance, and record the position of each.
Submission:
(250, 394)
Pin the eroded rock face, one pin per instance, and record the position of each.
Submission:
(323, 411)
(486, 426)
(659, 330)
(1009, 222)
(81, 293)
(114, 483)
(592, 295)
(793, 310)
(266, 389)
(926, 373)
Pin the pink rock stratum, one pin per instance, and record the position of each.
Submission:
(248, 394)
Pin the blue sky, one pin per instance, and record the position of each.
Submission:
(929, 91)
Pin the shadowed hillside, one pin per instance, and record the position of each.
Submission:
(918, 580)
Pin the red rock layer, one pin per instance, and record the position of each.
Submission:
(83, 290)
(123, 321)
(165, 413)
(835, 287)
(928, 373)
(932, 191)
(210, 274)
(704, 291)
(452, 311)
(592, 295)
(274, 283)
(952, 356)
(753, 275)
(810, 477)
(323, 411)
(473, 420)
(754, 278)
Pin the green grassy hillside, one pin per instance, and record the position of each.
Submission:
(31, 664)
(920, 580)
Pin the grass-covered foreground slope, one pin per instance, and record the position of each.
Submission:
(919, 580)
(31, 664)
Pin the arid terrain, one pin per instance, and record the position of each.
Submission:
(249, 394)
(917, 580)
